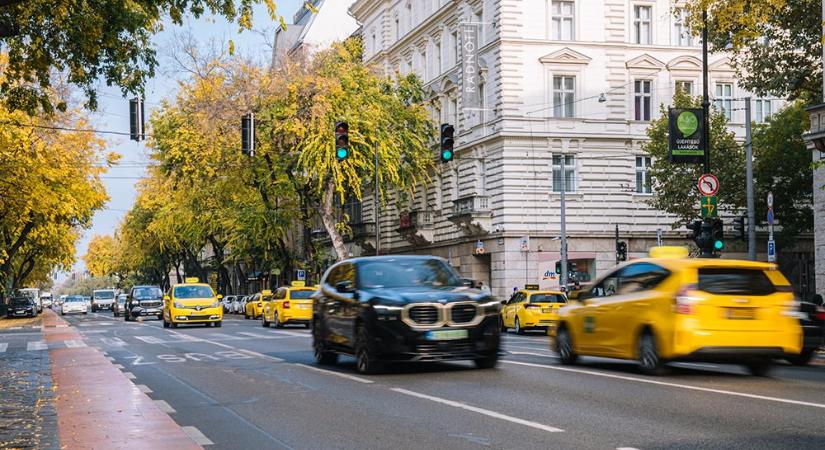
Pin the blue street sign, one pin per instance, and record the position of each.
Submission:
(301, 275)
(770, 216)
(771, 250)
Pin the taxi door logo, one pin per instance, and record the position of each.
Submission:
(589, 324)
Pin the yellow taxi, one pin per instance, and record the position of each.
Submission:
(531, 308)
(255, 305)
(192, 302)
(672, 308)
(292, 304)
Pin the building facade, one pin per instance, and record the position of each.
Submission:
(816, 143)
(310, 32)
(562, 92)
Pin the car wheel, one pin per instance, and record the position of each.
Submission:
(365, 361)
(174, 325)
(649, 361)
(165, 323)
(264, 322)
(803, 358)
(62, 313)
(564, 347)
(487, 362)
(759, 368)
(519, 329)
(277, 319)
(85, 312)
(306, 325)
(503, 327)
(319, 347)
(219, 324)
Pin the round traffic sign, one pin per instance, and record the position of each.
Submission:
(770, 199)
(708, 184)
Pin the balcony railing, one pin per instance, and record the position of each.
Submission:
(470, 205)
(362, 230)
(415, 219)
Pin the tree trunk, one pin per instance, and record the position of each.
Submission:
(329, 222)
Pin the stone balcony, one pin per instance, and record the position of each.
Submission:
(416, 227)
(472, 215)
(363, 235)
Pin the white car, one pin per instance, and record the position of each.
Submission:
(103, 299)
(74, 304)
(46, 297)
(240, 304)
(227, 303)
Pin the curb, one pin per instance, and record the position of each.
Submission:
(98, 406)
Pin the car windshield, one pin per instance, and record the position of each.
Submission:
(193, 292)
(147, 293)
(725, 281)
(75, 298)
(395, 273)
(547, 298)
(105, 295)
(20, 302)
(301, 294)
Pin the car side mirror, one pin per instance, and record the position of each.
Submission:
(220, 296)
(345, 287)
(166, 298)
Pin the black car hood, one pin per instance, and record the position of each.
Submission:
(424, 294)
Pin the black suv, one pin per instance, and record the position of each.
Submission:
(144, 301)
(812, 320)
(402, 309)
(21, 307)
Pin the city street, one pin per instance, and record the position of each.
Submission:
(243, 386)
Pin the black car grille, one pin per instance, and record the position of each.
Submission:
(463, 313)
(150, 304)
(424, 315)
(445, 347)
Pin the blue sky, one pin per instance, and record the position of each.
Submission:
(113, 110)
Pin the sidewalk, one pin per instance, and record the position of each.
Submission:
(97, 406)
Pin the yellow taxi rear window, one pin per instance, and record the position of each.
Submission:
(547, 298)
(731, 281)
(301, 294)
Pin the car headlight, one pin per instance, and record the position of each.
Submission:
(492, 307)
(387, 312)
(179, 305)
(216, 304)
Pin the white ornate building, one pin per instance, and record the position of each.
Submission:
(561, 81)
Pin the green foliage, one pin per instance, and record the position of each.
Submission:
(107, 40)
(790, 65)
(782, 164)
(674, 185)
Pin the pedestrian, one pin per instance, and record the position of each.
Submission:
(483, 287)
(515, 289)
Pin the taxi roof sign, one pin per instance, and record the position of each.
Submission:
(192, 280)
(669, 252)
(531, 287)
(298, 283)
(266, 292)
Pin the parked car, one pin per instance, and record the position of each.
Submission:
(34, 294)
(227, 303)
(402, 309)
(103, 299)
(240, 305)
(290, 305)
(255, 305)
(74, 304)
(47, 299)
(119, 306)
(22, 306)
(144, 301)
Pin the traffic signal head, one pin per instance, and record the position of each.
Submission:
(695, 228)
(718, 235)
(621, 251)
(136, 122)
(248, 134)
(447, 142)
(341, 141)
(739, 227)
(558, 267)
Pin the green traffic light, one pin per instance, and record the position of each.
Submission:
(447, 155)
(718, 245)
(341, 153)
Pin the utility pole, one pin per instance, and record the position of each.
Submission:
(616, 242)
(563, 177)
(705, 97)
(749, 185)
(377, 211)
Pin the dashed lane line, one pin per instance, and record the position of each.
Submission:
(337, 374)
(534, 354)
(197, 436)
(143, 388)
(165, 407)
(486, 412)
(3, 346)
(260, 355)
(36, 345)
(130, 375)
(669, 384)
(74, 343)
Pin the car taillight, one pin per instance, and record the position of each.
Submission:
(820, 314)
(260, 304)
(286, 304)
(684, 301)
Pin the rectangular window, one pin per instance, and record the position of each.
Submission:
(564, 94)
(437, 68)
(685, 86)
(564, 164)
(762, 109)
(642, 177)
(642, 29)
(455, 44)
(681, 32)
(397, 29)
(641, 94)
(563, 20)
(724, 99)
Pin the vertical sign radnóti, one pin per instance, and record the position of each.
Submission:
(686, 136)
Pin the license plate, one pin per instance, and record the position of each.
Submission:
(741, 313)
(305, 306)
(546, 310)
(446, 335)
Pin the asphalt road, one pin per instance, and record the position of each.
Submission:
(246, 387)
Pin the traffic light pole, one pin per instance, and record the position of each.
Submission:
(377, 208)
(749, 173)
(705, 97)
(563, 218)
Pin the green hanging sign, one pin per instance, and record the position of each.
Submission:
(686, 135)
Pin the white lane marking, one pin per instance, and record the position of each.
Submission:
(117, 366)
(707, 366)
(337, 374)
(290, 333)
(110, 358)
(223, 336)
(197, 436)
(255, 335)
(93, 331)
(150, 339)
(204, 340)
(483, 411)
(3, 346)
(260, 355)
(534, 354)
(143, 388)
(165, 407)
(129, 375)
(535, 349)
(74, 343)
(626, 448)
(668, 384)
(188, 338)
(36, 345)
(113, 342)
